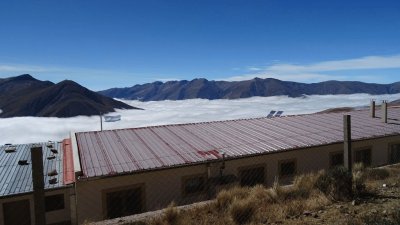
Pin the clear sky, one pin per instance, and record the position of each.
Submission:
(118, 43)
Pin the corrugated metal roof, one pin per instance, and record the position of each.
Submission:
(128, 150)
(17, 179)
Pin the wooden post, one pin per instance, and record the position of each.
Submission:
(384, 112)
(347, 142)
(372, 108)
(38, 184)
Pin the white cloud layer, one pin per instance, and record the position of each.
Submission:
(34, 129)
(317, 72)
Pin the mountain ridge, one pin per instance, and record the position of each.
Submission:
(26, 96)
(203, 88)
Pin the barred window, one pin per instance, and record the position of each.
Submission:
(363, 156)
(252, 176)
(124, 202)
(287, 168)
(394, 155)
(54, 202)
(194, 185)
(336, 159)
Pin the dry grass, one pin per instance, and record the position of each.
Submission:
(170, 216)
(261, 205)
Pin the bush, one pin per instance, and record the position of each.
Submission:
(336, 183)
(378, 220)
(377, 174)
(171, 214)
(259, 194)
(226, 197)
(242, 211)
(396, 217)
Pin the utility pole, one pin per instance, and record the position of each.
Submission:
(38, 184)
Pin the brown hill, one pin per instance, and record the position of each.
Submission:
(26, 96)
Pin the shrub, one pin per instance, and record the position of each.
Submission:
(171, 214)
(359, 182)
(377, 220)
(396, 217)
(242, 211)
(377, 174)
(226, 197)
(259, 194)
(336, 183)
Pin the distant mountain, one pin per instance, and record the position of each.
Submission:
(26, 96)
(202, 88)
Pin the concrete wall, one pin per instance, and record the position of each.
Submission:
(52, 217)
(162, 187)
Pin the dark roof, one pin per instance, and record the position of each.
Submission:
(17, 179)
(113, 152)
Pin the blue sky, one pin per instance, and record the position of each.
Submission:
(103, 44)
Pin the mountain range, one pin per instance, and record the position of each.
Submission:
(26, 96)
(203, 88)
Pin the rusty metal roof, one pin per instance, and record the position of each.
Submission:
(111, 152)
(17, 179)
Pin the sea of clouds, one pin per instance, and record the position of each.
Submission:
(38, 129)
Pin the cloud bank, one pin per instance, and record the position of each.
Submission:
(319, 71)
(34, 129)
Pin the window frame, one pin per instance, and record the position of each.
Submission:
(280, 162)
(140, 186)
(366, 148)
(243, 168)
(185, 179)
(390, 153)
(54, 195)
(331, 154)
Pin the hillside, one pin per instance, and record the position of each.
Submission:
(26, 96)
(203, 88)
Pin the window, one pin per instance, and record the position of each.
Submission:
(54, 202)
(394, 155)
(124, 202)
(287, 168)
(194, 185)
(17, 213)
(336, 159)
(363, 156)
(252, 176)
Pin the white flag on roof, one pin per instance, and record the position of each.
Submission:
(112, 118)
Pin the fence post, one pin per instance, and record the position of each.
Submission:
(347, 142)
(38, 184)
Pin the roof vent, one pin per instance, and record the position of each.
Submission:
(52, 173)
(23, 162)
(53, 181)
(10, 148)
(51, 157)
(53, 150)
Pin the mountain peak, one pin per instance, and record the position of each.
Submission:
(31, 97)
(23, 77)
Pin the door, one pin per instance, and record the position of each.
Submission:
(17, 213)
